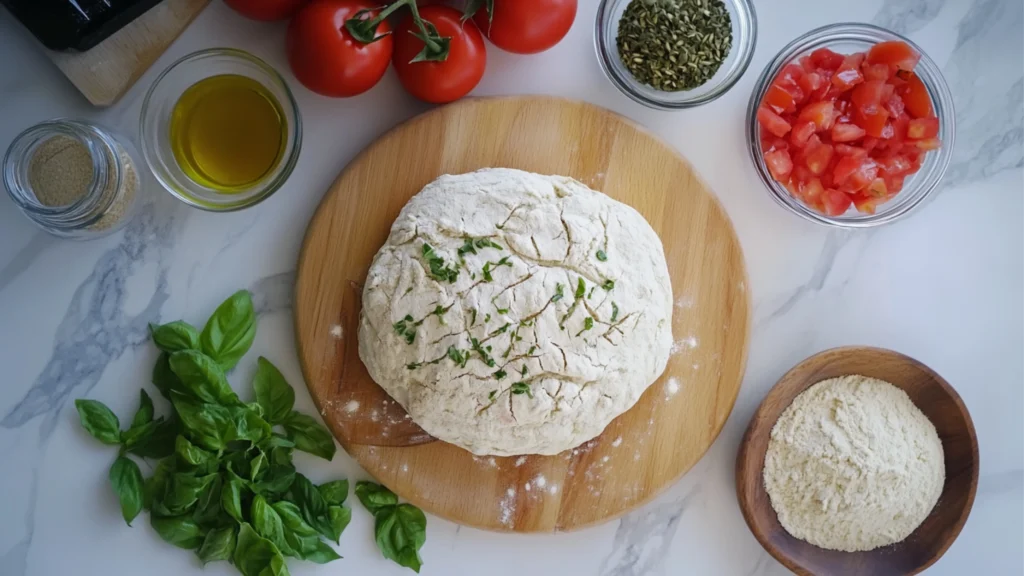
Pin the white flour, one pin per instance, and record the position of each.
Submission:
(853, 465)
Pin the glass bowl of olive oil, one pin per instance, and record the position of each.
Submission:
(221, 130)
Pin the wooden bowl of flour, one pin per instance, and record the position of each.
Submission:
(934, 397)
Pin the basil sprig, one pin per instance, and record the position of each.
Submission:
(225, 485)
(399, 529)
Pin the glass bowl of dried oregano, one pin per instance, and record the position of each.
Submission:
(674, 54)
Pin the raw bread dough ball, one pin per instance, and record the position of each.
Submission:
(514, 313)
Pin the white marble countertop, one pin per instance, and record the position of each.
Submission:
(945, 286)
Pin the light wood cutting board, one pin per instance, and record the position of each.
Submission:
(642, 451)
(105, 72)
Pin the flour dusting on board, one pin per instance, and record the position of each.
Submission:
(352, 406)
(617, 442)
(671, 387)
(337, 332)
(507, 506)
(688, 343)
(520, 461)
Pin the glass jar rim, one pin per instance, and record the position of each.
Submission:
(91, 206)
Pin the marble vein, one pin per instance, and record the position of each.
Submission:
(643, 538)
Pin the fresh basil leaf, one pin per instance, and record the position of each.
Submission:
(314, 509)
(321, 553)
(203, 377)
(257, 556)
(181, 531)
(183, 491)
(231, 498)
(276, 441)
(156, 485)
(205, 424)
(229, 333)
(160, 442)
(310, 436)
(334, 493)
(219, 544)
(273, 392)
(374, 496)
(257, 467)
(267, 523)
(400, 532)
(175, 336)
(340, 516)
(144, 414)
(302, 539)
(126, 479)
(189, 455)
(163, 377)
(99, 421)
(208, 506)
(246, 425)
(136, 434)
(276, 481)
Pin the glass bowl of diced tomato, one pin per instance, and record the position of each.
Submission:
(851, 125)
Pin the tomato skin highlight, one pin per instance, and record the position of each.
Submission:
(779, 164)
(920, 128)
(526, 26)
(847, 133)
(458, 74)
(915, 97)
(266, 10)
(323, 55)
(836, 202)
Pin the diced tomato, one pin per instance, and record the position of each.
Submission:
(867, 94)
(806, 64)
(848, 75)
(865, 203)
(916, 98)
(845, 167)
(789, 74)
(894, 184)
(869, 143)
(894, 165)
(894, 53)
(811, 191)
(862, 176)
(779, 99)
(929, 144)
(876, 71)
(894, 105)
(825, 58)
(836, 202)
(801, 174)
(920, 128)
(846, 132)
(811, 82)
(798, 137)
(818, 158)
(871, 120)
(779, 164)
(772, 122)
(847, 150)
(821, 113)
(877, 188)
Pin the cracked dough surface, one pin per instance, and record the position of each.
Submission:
(571, 380)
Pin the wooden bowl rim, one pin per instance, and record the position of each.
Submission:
(757, 423)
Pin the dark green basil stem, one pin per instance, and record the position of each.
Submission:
(674, 45)
(365, 30)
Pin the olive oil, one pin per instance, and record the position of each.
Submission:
(228, 132)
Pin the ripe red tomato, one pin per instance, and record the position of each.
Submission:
(266, 10)
(326, 58)
(894, 53)
(526, 26)
(440, 82)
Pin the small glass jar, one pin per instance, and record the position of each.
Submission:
(100, 178)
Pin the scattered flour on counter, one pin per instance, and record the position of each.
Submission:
(672, 386)
(337, 331)
(553, 489)
(375, 416)
(604, 458)
(521, 460)
(684, 302)
(527, 486)
(492, 463)
(540, 481)
(617, 442)
(405, 467)
(352, 406)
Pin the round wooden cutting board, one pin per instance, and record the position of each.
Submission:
(642, 451)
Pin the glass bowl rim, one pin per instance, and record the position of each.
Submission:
(627, 85)
(934, 81)
(291, 107)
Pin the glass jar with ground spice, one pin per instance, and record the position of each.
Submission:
(673, 54)
(72, 178)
